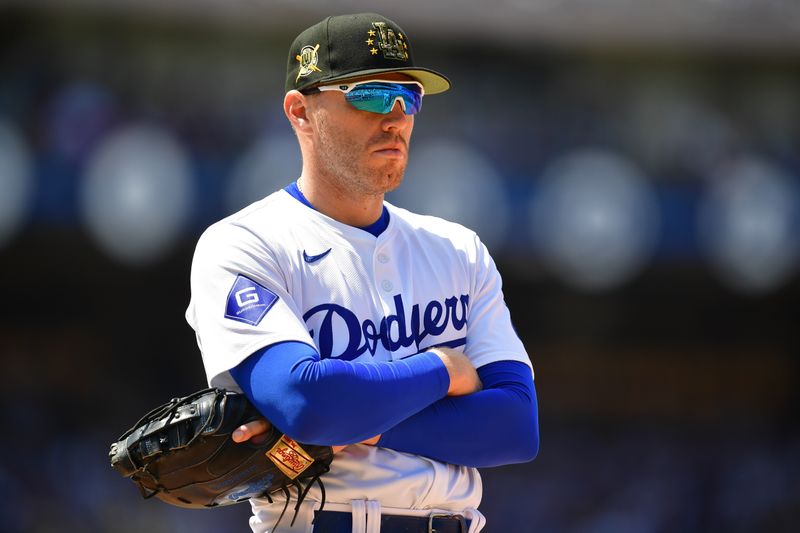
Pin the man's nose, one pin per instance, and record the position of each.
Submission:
(396, 117)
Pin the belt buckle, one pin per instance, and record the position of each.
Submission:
(461, 522)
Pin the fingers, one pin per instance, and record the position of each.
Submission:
(251, 430)
(256, 430)
(369, 442)
(373, 441)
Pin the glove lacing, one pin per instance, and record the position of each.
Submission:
(302, 492)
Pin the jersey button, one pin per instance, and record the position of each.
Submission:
(387, 285)
(383, 258)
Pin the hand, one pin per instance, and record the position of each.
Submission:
(463, 377)
(257, 429)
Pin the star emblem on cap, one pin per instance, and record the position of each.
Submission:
(387, 40)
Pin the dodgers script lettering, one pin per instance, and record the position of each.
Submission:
(393, 331)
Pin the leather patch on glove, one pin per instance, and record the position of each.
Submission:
(289, 457)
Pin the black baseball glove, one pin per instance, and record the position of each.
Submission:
(182, 453)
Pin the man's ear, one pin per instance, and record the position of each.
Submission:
(296, 110)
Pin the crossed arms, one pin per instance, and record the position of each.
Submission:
(433, 404)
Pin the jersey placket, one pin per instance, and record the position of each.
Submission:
(387, 285)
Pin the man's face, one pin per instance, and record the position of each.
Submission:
(364, 152)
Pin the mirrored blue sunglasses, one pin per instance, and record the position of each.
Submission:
(378, 96)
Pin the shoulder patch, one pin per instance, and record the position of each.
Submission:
(249, 301)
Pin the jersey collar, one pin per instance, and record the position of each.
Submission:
(376, 228)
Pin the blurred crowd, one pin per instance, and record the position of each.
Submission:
(630, 159)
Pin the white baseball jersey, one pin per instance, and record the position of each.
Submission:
(281, 271)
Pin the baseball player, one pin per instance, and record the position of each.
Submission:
(351, 322)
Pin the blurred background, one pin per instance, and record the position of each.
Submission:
(634, 167)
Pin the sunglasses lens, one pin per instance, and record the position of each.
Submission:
(380, 97)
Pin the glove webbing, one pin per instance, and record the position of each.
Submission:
(153, 447)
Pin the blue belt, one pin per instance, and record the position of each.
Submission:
(338, 522)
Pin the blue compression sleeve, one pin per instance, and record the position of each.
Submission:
(337, 402)
(495, 426)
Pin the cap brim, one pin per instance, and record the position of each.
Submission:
(431, 81)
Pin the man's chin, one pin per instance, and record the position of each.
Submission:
(392, 180)
(394, 185)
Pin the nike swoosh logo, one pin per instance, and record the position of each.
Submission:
(314, 258)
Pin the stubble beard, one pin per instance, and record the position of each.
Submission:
(341, 159)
